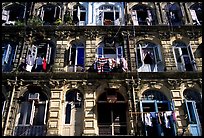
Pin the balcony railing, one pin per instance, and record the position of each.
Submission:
(30, 131)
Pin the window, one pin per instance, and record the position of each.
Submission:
(49, 13)
(196, 13)
(8, 56)
(33, 112)
(107, 15)
(73, 101)
(13, 13)
(142, 15)
(183, 56)
(174, 14)
(79, 15)
(39, 58)
(76, 57)
(149, 57)
(157, 114)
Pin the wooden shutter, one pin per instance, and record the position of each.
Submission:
(119, 52)
(32, 112)
(48, 54)
(5, 15)
(45, 114)
(100, 52)
(8, 52)
(193, 14)
(134, 17)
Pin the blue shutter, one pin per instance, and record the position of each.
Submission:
(68, 113)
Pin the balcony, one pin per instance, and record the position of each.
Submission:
(30, 131)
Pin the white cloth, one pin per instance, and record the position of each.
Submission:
(166, 120)
(29, 67)
(148, 119)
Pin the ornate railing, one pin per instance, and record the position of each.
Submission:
(30, 130)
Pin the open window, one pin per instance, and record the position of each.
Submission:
(112, 120)
(174, 14)
(75, 57)
(32, 116)
(142, 15)
(49, 13)
(108, 15)
(9, 50)
(40, 57)
(193, 108)
(196, 13)
(183, 56)
(156, 113)
(79, 15)
(12, 13)
(149, 57)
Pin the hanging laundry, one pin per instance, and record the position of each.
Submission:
(148, 119)
(29, 63)
(174, 115)
(153, 114)
(44, 64)
(166, 120)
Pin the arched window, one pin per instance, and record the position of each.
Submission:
(193, 108)
(79, 15)
(157, 114)
(49, 13)
(174, 14)
(142, 15)
(107, 15)
(183, 56)
(9, 50)
(32, 116)
(12, 13)
(73, 99)
(149, 57)
(40, 57)
(196, 13)
(76, 57)
(112, 120)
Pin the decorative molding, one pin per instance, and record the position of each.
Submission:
(174, 83)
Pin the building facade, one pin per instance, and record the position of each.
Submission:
(101, 68)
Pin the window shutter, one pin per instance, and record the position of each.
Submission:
(55, 12)
(68, 113)
(78, 12)
(8, 52)
(14, 57)
(193, 14)
(134, 17)
(100, 52)
(4, 103)
(141, 54)
(45, 114)
(149, 15)
(32, 112)
(177, 55)
(42, 14)
(119, 52)
(5, 15)
(23, 113)
(48, 54)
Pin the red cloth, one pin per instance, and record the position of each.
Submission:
(44, 64)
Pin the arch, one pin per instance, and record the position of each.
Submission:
(13, 12)
(43, 89)
(196, 13)
(183, 55)
(192, 94)
(154, 95)
(114, 115)
(174, 13)
(149, 56)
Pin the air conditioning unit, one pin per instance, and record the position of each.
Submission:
(34, 96)
(78, 97)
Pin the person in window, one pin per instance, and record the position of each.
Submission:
(39, 63)
(148, 58)
(44, 64)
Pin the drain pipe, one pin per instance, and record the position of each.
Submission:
(10, 104)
